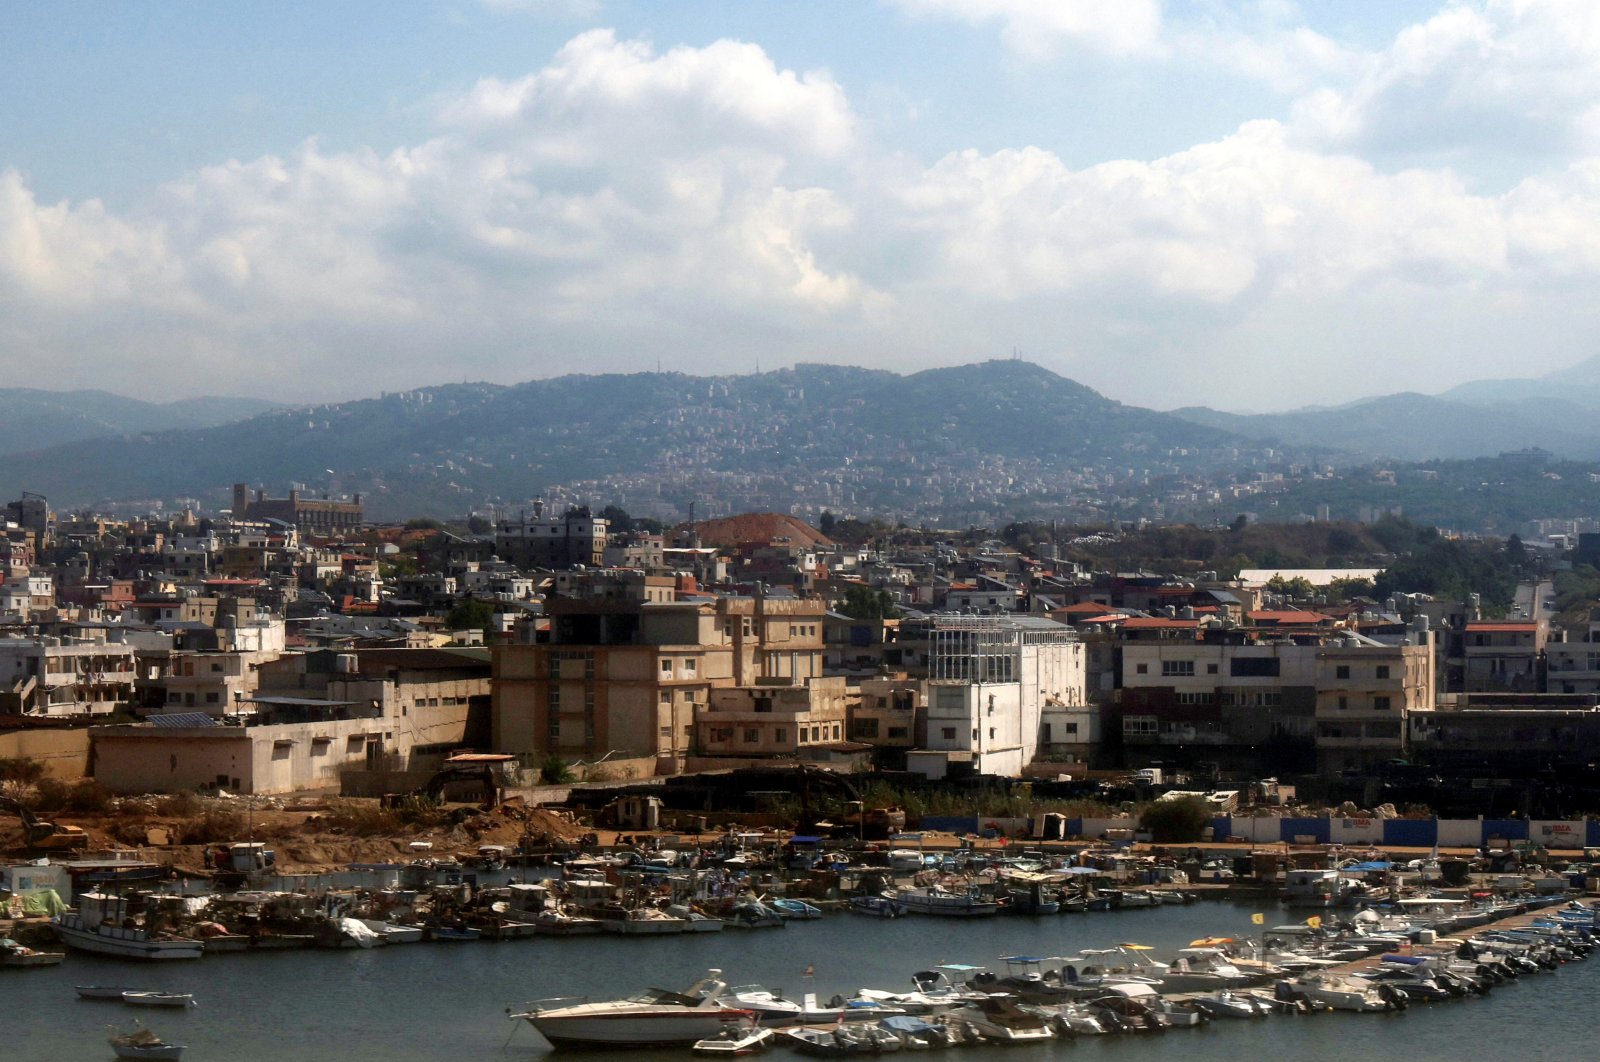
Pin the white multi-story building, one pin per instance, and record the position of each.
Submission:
(52, 676)
(990, 678)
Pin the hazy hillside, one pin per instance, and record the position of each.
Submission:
(1414, 427)
(30, 419)
(439, 449)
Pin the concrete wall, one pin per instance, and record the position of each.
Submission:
(64, 753)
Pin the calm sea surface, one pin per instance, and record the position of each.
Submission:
(438, 1001)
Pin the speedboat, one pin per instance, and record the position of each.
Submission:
(1340, 993)
(830, 1040)
(998, 1019)
(654, 1018)
(1226, 1003)
(735, 1040)
(795, 909)
(142, 1043)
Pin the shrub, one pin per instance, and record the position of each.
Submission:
(216, 826)
(89, 797)
(180, 804)
(554, 771)
(21, 769)
(1175, 821)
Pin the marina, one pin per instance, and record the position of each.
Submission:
(464, 992)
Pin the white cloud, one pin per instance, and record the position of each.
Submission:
(1515, 78)
(1037, 29)
(705, 205)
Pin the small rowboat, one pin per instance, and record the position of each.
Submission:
(102, 991)
(158, 999)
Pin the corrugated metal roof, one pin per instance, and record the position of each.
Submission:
(182, 719)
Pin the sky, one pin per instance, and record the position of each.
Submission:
(1252, 205)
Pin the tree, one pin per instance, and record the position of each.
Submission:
(469, 614)
(1175, 821)
(1240, 522)
(617, 517)
(479, 525)
(827, 522)
(863, 602)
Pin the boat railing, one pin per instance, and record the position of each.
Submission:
(536, 1007)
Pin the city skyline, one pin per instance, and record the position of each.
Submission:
(1261, 205)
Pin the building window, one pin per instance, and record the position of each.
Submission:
(1342, 671)
(781, 734)
(752, 735)
(1380, 703)
(897, 732)
(1383, 671)
(1179, 668)
(666, 665)
(1142, 669)
(1211, 669)
(1344, 702)
(948, 733)
(991, 733)
(666, 697)
(688, 665)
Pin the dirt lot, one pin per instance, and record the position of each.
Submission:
(309, 837)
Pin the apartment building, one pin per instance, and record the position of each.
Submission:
(766, 721)
(628, 676)
(990, 678)
(554, 543)
(66, 676)
(1366, 691)
(1503, 656)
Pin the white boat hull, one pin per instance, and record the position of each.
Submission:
(125, 943)
(632, 1030)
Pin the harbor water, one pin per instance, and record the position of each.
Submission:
(414, 1002)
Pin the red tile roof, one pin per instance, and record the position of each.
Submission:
(1503, 628)
(1289, 618)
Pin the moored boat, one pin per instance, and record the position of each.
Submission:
(735, 1040)
(14, 954)
(142, 1043)
(937, 900)
(654, 1018)
(104, 925)
(158, 999)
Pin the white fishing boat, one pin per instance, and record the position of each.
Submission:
(654, 1018)
(142, 1043)
(937, 900)
(639, 921)
(563, 921)
(104, 925)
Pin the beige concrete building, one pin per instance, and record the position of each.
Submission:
(773, 720)
(625, 677)
(1365, 693)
